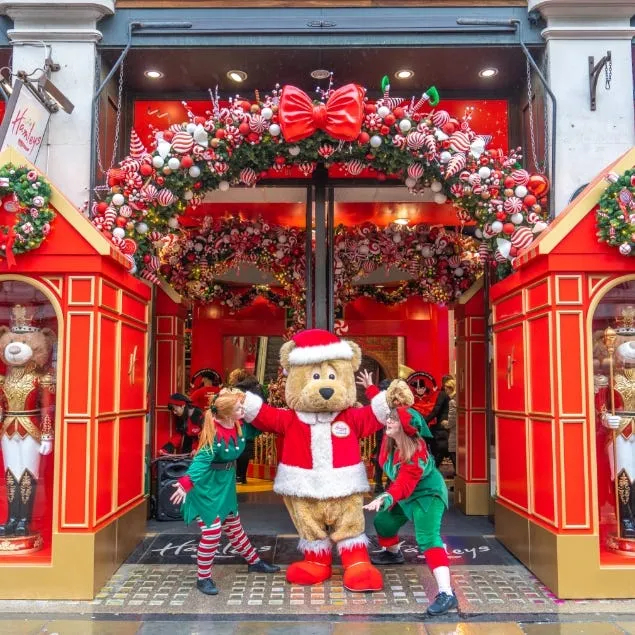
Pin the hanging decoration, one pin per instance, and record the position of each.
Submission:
(615, 215)
(25, 197)
(238, 142)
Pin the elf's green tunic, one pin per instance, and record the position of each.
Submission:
(213, 494)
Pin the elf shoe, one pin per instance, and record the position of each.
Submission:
(315, 568)
(359, 574)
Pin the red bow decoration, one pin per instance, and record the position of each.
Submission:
(341, 117)
(7, 241)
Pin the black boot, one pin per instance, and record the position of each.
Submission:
(13, 505)
(262, 567)
(28, 485)
(443, 603)
(387, 557)
(625, 495)
(207, 586)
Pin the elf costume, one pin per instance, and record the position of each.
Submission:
(417, 493)
(210, 484)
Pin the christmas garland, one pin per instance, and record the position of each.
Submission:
(241, 142)
(25, 194)
(616, 212)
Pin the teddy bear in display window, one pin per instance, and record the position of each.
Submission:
(27, 414)
(321, 475)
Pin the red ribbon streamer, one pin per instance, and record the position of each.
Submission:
(7, 240)
(341, 117)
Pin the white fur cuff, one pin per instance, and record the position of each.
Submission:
(252, 404)
(380, 406)
(330, 482)
(315, 546)
(304, 355)
(351, 543)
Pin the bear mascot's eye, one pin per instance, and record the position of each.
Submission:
(316, 375)
(332, 376)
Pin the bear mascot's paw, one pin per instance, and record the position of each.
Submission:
(399, 394)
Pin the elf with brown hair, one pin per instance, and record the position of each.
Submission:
(208, 490)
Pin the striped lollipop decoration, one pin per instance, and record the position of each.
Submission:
(137, 149)
(483, 253)
(150, 276)
(175, 127)
(166, 197)
(182, 142)
(258, 124)
(130, 165)
(454, 165)
(522, 238)
(416, 140)
(110, 216)
(512, 205)
(415, 171)
(440, 118)
(430, 144)
(460, 142)
(149, 192)
(248, 177)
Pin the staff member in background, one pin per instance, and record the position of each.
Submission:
(437, 419)
(208, 384)
(208, 490)
(188, 425)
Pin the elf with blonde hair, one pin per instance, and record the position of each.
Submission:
(208, 490)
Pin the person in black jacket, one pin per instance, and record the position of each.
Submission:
(437, 421)
(246, 383)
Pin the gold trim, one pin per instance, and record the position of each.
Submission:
(117, 307)
(51, 281)
(90, 364)
(583, 386)
(594, 283)
(585, 450)
(527, 344)
(71, 281)
(401, 350)
(64, 523)
(547, 304)
(559, 300)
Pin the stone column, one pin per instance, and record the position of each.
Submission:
(586, 140)
(69, 29)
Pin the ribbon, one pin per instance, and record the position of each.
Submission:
(7, 240)
(341, 117)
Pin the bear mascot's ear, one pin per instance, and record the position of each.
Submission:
(356, 362)
(285, 351)
(3, 329)
(50, 338)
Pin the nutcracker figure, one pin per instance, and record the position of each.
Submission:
(618, 415)
(27, 414)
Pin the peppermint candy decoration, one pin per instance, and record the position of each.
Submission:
(463, 215)
(512, 205)
(149, 192)
(454, 261)
(354, 168)
(27, 228)
(137, 149)
(474, 179)
(533, 218)
(307, 168)
(460, 142)
(440, 118)
(415, 171)
(500, 257)
(521, 177)
(110, 215)
(373, 122)
(182, 142)
(248, 177)
(125, 211)
(522, 238)
(416, 140)
(150, 276)
(129, 166)
(430, 145)
(325, 151)
(399, 141)
(166, 197)
(220, 167)
(258, 124)
(454, 165)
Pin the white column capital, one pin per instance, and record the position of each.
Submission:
(55, 20)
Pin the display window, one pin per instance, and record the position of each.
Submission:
(614, 395)
(28, 372)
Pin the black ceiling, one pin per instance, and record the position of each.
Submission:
(453, 70)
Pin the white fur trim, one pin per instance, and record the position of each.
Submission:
(252, 404)
(626, 352)
(351, 543)
(311, 418)
(315, 546)
(328, 482)
(321, 447)
(303, 355)
(380, 406)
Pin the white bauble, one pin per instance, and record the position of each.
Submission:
(625, 249)
(382, 111)
(436, 186)
(118, 199)
(174, 163)
(445, 157)
(157, 162)
(141, 228)
(188, 195)
(520, 191)
(458, 272)
(516, 218)
(173, 222)
(497, 227)
(427, 251)
(266, 113)
(440, 198)
(294, 151)
(484, 172)
(478, 233)
(194, 171)
(191, 128)
(405, 125)
(539, 226)
(274, 130)
(119, 232)
(223, 186)
(375, 141)
(410, 182)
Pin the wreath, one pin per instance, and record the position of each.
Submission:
(26, 194)
(616, 212)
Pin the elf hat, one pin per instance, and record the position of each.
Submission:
(177, 399)
(315, 346)
(413, 423)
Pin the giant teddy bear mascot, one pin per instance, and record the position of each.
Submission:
(27, 411)
(321, 475)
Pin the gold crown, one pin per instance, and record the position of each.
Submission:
(626, 323)
(22, 320)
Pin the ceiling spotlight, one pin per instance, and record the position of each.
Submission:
(402, 218)
(320, 73)
(152, 74)
(404, 73)
(488, 72)
(237, 76)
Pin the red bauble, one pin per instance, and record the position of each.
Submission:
(381, 176)
(112, 181)
(186, 162)
(199, 121)
(510, 184)
(508, 228)
(449, 127)
(243, 129)
(220, 133)
(399, 113)
(168, 135)
(416, 117)
(120, 221)
(191, 257)
(390, 119)
(198, 185)
(501, 215)
(253, 137)
(370, 157)
(160, 180)
(370, 107)
(102, 207)
(363, 138)
(146, 169)
(538, 185)
(245, 105)
(384, 130)
(146, 258)
(529, 201)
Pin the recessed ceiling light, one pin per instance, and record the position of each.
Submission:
(403, 218)
(237, 76)
(152, 74)
(320, 73)
(488, 72)
(404, 73)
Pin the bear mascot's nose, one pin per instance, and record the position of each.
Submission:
(327, 393)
